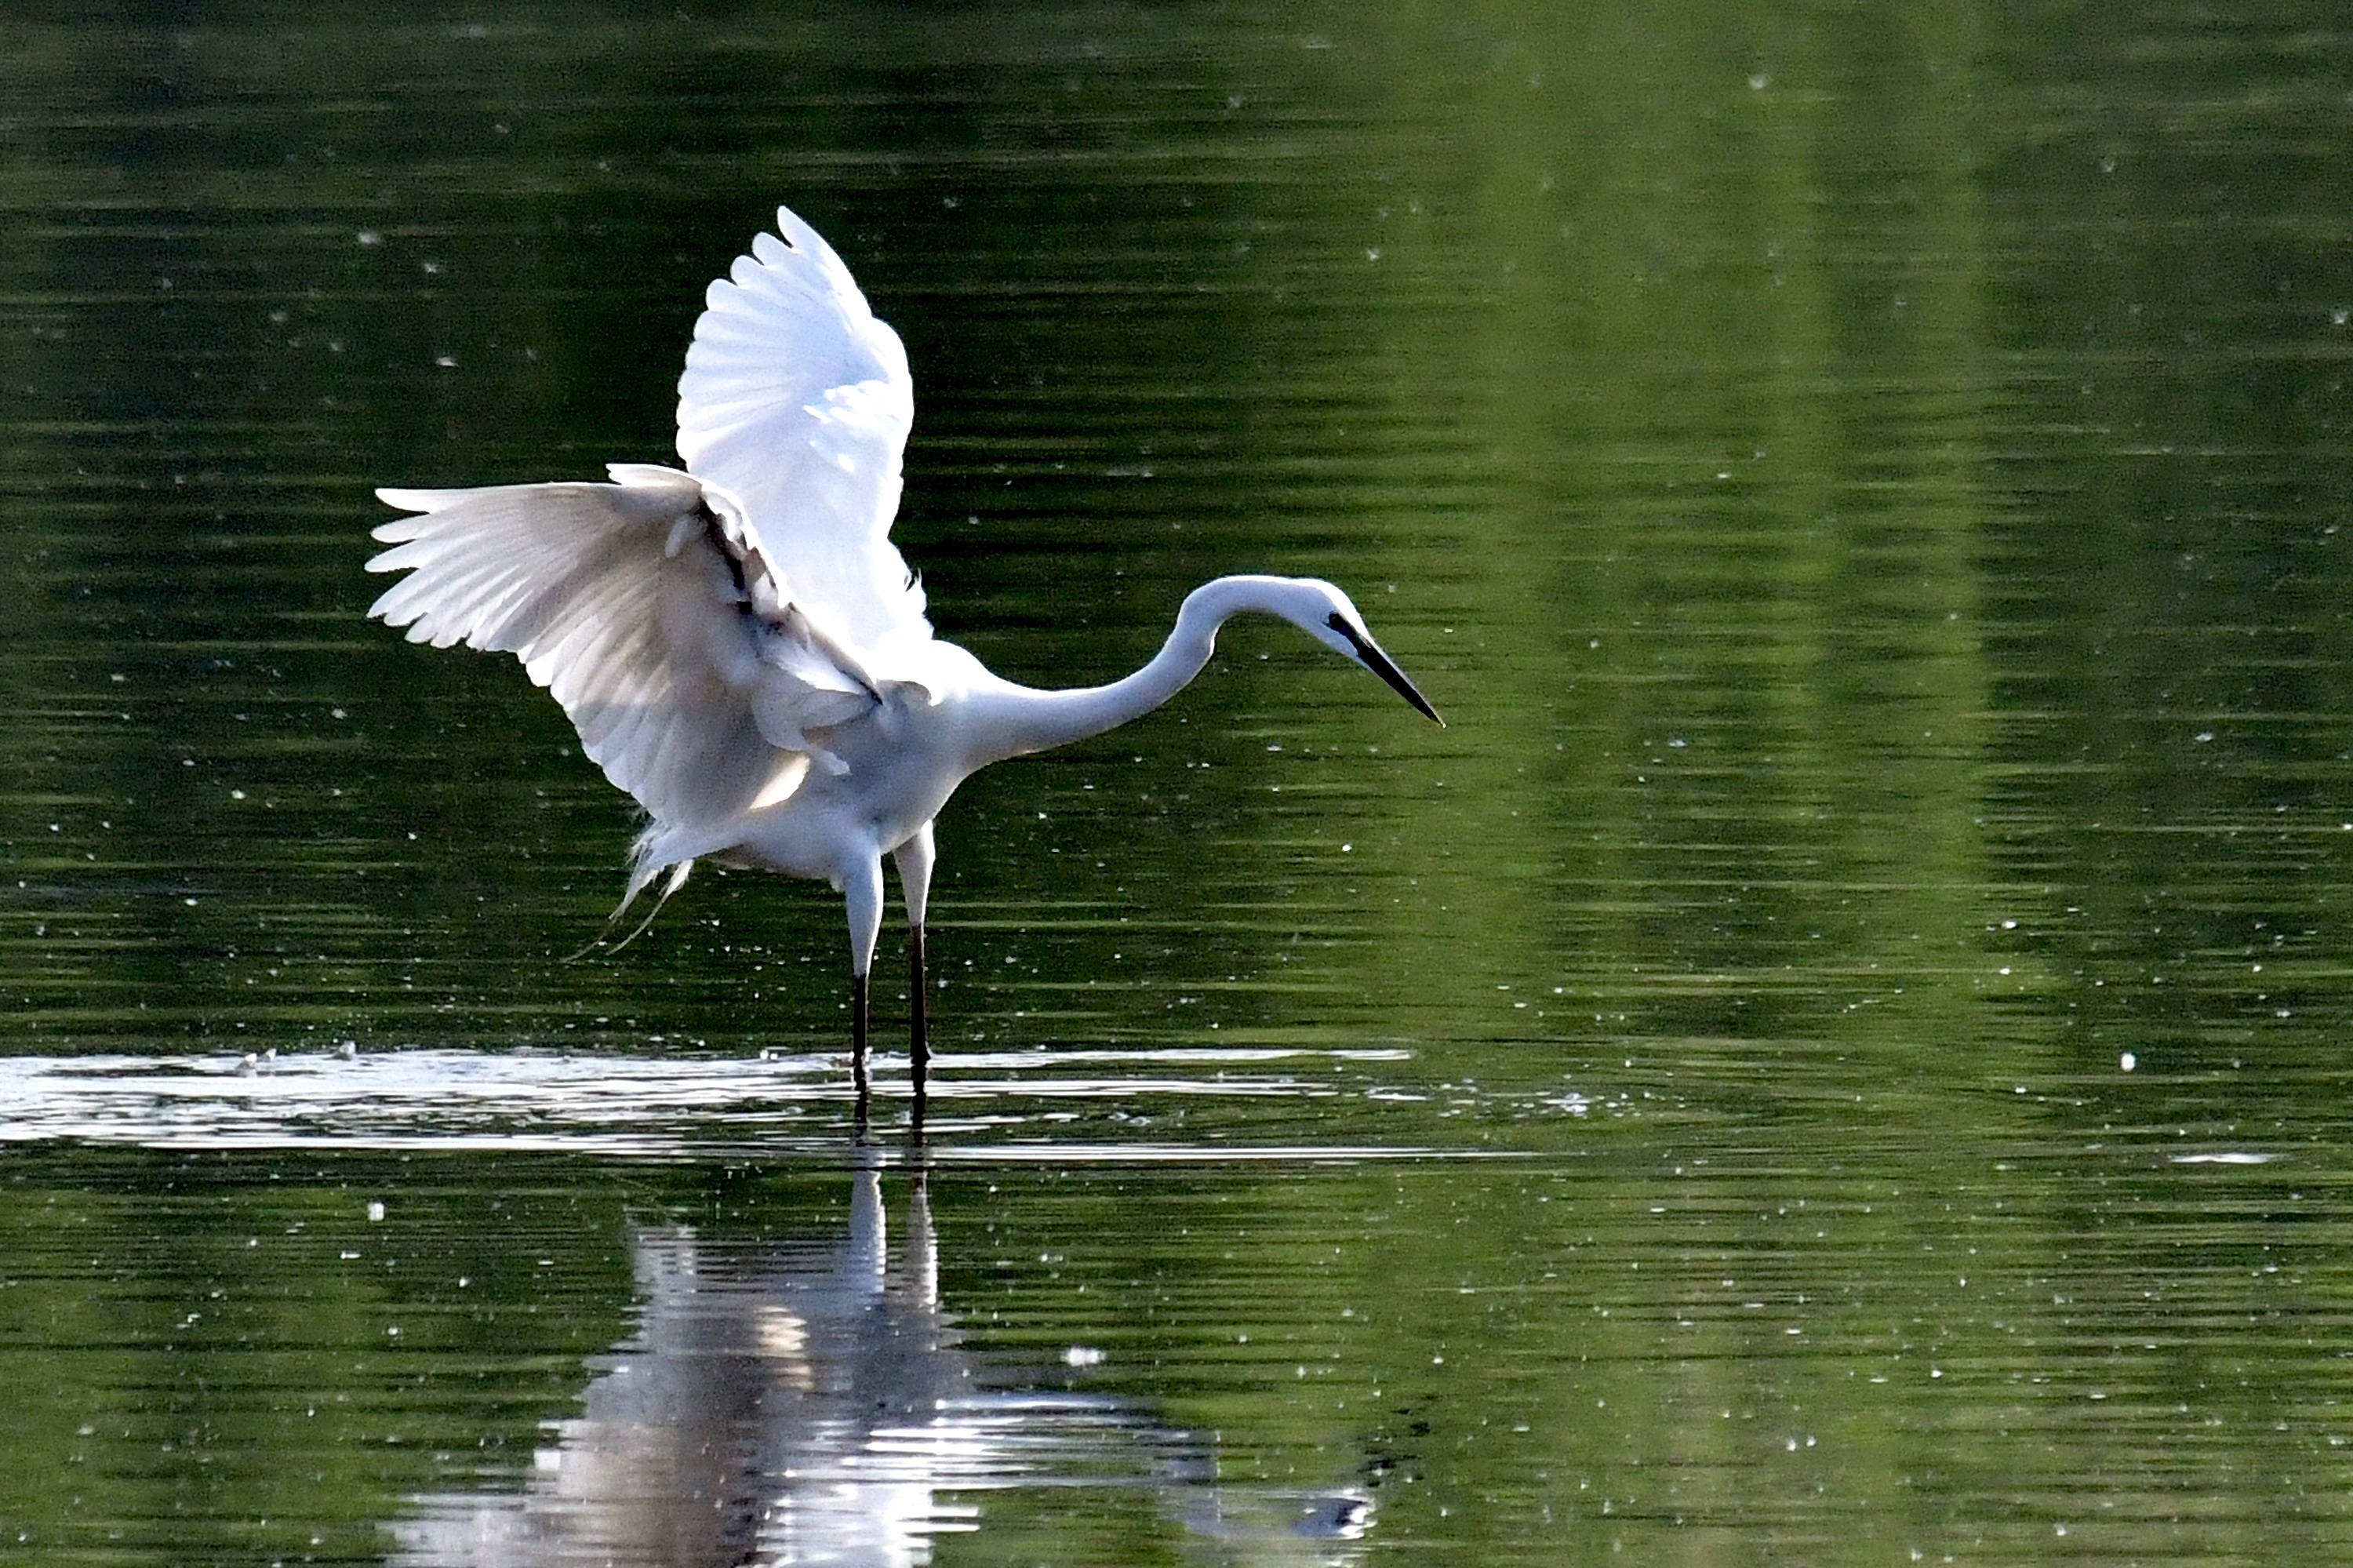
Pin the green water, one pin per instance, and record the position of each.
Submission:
(1834, 1056)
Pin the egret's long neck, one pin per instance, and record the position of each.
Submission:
(1027, 720)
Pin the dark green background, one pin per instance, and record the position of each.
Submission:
(1864, 482)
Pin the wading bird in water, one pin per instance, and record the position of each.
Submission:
(738, 643)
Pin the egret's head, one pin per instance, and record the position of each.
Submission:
(1329, 617)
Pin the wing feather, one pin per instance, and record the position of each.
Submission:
(638, 623)
(796, 401)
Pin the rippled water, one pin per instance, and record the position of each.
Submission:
(1833, 1055)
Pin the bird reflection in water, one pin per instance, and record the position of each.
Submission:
(809, 1403)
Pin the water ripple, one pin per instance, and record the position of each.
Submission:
(1003, 1106)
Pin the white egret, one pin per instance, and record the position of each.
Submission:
(738, 643)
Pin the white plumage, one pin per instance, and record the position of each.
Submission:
(797, 402)
(740, 645)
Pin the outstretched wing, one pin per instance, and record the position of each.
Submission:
(797, 402)
(648, 613)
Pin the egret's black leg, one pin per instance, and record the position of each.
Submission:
(858, 1032)
(914, 859)
(918, 1036)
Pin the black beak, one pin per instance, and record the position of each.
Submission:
(1381, 664)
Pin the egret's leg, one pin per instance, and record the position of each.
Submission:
(914, 862)
(919, 1044)
(862, 887)
(857, 1036)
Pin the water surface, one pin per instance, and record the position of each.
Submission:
(1833, 1055)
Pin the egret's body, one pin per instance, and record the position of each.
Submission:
(738, 643)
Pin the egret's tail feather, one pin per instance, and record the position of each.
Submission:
(671, 884)
(640, 877)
